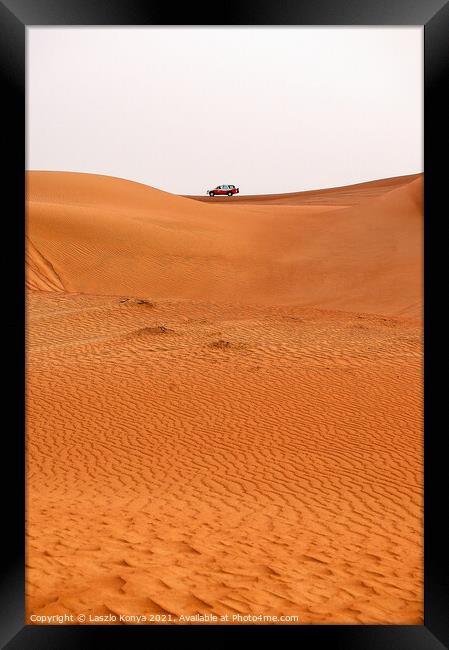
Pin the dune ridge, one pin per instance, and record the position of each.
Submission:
(224, 403)
(347, 195)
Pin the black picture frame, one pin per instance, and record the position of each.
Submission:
(15, 16)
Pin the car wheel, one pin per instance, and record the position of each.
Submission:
(229, 193)
(211, 194)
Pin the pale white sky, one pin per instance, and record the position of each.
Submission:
(185, 109)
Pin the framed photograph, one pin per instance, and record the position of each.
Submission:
(221, 268)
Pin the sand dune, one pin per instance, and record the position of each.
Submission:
(106, 236)
(224, 403)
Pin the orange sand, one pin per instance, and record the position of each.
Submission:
(224, 402)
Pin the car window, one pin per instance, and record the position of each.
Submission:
(231, 187)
